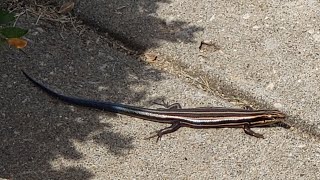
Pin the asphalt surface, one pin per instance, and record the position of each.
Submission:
(43, 138)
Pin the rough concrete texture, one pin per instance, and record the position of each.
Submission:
(264, 51)
(42, 138)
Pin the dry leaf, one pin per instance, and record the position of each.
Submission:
(150, 57)
(17, 42)
(66, 7)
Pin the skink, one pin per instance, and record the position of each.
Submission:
(202, 117)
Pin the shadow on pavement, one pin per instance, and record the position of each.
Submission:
(136, 23)
(36, 129)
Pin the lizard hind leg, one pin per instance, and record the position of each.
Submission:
(174, 127)
(169, 106)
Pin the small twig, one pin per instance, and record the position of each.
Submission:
(24, 53)
(18, 16)
(38, 18)
(72, 22)
(62, 36)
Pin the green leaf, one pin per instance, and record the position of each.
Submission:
(13, 32)
(6, 17)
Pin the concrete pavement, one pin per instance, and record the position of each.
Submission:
(42, 138)
(266, 53)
